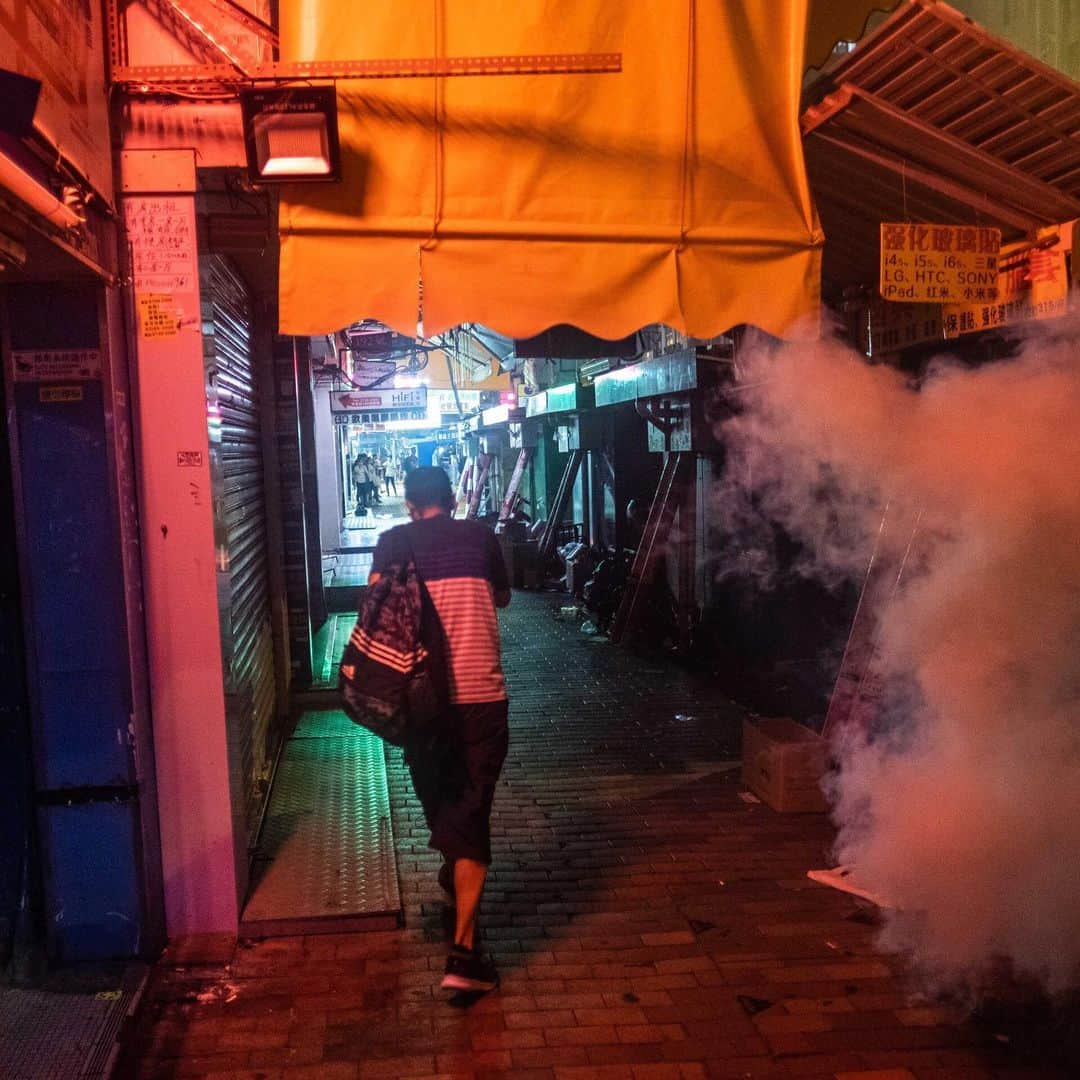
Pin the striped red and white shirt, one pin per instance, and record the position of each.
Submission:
(462, 566)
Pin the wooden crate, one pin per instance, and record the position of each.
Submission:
(783, 763)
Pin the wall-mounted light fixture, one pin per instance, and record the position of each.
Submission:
(291, 134)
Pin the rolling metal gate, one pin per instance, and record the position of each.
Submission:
(244, 602)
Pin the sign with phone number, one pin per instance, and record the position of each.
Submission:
(925, 263)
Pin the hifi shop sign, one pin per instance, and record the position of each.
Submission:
(378, 406)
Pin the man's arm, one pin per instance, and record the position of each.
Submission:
(380, 559)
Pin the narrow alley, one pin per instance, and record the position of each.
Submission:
(649, 919)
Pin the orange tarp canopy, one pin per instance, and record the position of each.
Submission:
(671, 192)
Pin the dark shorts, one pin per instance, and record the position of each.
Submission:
(455, 780)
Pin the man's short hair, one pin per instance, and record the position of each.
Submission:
(428, 486)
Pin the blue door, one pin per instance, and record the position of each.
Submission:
(83, 764)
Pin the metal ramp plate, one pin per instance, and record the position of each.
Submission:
(330, 644)
(67, 1028)
(325, 859)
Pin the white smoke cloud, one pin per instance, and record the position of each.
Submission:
(967, 814)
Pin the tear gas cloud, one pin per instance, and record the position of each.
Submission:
(964, 811)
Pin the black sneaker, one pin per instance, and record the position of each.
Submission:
(446, 879)
(466, 969)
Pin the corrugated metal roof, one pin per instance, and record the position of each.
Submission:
(934, 119)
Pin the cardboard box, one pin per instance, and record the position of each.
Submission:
(783, 763)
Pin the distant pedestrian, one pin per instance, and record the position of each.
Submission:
(461, 564)
(388, 478)
(360, 482)
(367, 482)
(373, 481)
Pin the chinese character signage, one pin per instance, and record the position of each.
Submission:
(939, 263)
(378, 406)
(886, 328)
(1032, 285)
(448, 405)
(378, 400)
(158, 318)
(56, 394)
(43, 365)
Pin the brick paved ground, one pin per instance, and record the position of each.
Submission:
(648, 922)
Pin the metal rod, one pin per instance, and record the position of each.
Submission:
(558, 507)
(653, 540)
(515, 483)
(425, 67)
(485, 461)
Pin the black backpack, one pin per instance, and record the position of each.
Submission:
(392, 674)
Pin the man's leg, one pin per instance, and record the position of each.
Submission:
(461, 829)
(469, 877)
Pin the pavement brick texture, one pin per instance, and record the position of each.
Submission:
(648, 922)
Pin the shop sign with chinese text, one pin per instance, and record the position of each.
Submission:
(922, 263)
(887, 328)
(378, 406)
(41, 365)
(1032, 285)
(448, 404)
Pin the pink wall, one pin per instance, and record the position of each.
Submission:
(187, 694)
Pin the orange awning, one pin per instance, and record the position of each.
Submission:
(671, 192)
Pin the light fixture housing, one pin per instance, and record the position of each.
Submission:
(291, 134)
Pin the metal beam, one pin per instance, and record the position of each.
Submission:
(187, 28)
(676, 476)
(558, 507)
(866, 122)
(905, 172)
(860, 681)
(483, 469)
(146, 77)
(237, 12)
(523, 460)
(464, 480)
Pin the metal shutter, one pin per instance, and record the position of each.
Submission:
(240, 534)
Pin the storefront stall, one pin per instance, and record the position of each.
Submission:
(677, 398)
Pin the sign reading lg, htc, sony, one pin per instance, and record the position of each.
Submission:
(943, 264)
(378, 406)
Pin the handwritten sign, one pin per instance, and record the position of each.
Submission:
(165, 269)
(158, 317)
(939, 263)
(162, 234)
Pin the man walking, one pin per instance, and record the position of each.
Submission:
(462, 566)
